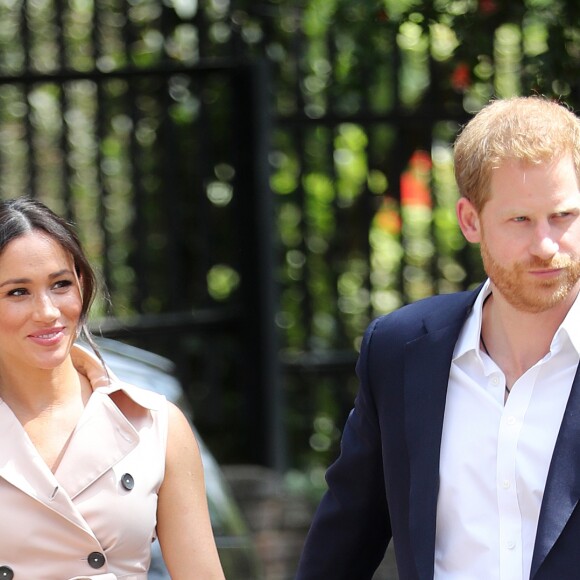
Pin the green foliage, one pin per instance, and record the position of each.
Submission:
(367, 98)
(358, 69)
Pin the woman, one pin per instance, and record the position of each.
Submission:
(91, 469)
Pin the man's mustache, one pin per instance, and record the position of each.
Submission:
(555, 263)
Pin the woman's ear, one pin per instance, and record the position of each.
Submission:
(468, 218)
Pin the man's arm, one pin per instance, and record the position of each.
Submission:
(351, 529)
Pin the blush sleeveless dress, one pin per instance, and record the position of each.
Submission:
(95, 516)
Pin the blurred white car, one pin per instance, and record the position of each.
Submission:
(234, 542)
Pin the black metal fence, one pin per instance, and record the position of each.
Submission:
(255, 181)
(146, 164)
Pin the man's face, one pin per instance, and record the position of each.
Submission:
(529, 231)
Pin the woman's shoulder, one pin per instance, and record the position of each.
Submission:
(105, 382)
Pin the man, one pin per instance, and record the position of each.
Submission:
(464, 442)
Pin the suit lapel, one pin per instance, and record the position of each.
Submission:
(425, 391)
(427, 365)
(562, 489)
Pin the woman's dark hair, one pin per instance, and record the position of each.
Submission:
(23, 215)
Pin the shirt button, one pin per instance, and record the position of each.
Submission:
(510, 544)
(511, 420)
(6, 572)
(128, 482)
(96, 560)
(494, 381)
(505, 484)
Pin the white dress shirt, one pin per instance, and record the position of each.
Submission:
(495, 457)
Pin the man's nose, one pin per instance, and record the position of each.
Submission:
(544, 244)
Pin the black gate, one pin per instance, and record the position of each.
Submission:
(165, 173)
(256, 180)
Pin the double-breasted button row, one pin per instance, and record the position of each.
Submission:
(96, 560)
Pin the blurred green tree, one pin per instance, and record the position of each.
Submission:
(367, 98)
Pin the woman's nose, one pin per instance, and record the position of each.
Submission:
(45, 309)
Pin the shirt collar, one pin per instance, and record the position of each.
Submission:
(469, 338)
(570, 328)
(471, 331)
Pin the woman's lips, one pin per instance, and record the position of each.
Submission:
(47, 337)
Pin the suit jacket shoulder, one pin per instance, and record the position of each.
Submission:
(386, 338)
(428, 314)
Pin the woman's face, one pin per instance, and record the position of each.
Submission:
(40, 302)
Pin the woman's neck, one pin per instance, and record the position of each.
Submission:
(34, 390)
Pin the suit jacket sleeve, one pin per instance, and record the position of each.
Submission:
(351, 529)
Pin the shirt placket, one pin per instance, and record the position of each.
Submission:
(510, 518)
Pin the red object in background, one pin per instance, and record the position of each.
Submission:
(388, 218)
(415, 184)
(461, 77)
(382, 15)
(415, 181)
(488, 6)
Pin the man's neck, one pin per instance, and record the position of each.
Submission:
(517, 340)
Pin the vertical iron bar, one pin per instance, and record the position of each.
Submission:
(63, 104)
(26, 43)
(139, 225)
(336, 250)
(256, 215)
(99, 133)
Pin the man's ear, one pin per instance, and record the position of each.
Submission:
(468, 218)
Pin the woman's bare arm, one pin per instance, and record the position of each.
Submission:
(183, 523)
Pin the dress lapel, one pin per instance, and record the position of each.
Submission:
(562, 489)
(20, 463)
(101, 439)
(22, 466)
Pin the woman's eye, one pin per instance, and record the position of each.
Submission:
(62, 284)
(17, 292)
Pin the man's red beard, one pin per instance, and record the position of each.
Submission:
(528, 295)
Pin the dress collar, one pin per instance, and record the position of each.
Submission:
(104, 382)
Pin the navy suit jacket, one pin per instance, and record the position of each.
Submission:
(385, 482)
